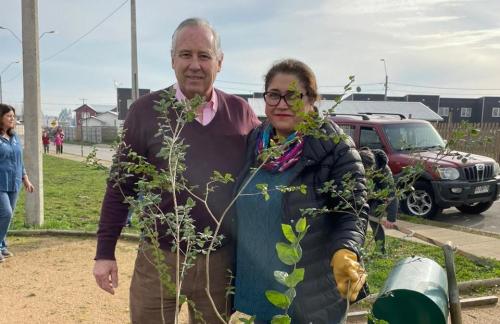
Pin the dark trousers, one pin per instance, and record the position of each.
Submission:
(145, 293)
(379, 235)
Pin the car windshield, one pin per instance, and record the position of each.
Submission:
(404, 137)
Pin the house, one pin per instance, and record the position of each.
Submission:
(108, 118)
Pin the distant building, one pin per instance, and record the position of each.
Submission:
(83, 112)
(474, 110)
(124, 100)
(108, 118)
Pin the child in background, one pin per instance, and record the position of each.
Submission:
(58, 141)
(45, 142)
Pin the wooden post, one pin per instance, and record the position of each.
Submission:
(449, 259)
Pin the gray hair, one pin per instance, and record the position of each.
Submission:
(197, 22)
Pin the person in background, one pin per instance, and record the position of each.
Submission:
(377, 161)
(216, 141)
(331, 248)
(58, 142)
(45, 142)
(12, 174)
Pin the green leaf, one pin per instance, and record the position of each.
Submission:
(301, 225)
(281, 319)
(288, 254)
(281, 277)
(288, 233)
(295, 277)
(291, 280)
(278, 299)
(250, 320)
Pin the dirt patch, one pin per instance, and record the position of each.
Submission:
(49, 280)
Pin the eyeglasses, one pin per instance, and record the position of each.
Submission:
(274, 98)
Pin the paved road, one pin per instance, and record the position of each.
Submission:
(104, 152)
(487, 221)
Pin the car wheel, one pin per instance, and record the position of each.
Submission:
(476, 208)
(420, 202)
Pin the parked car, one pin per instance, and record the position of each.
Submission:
(471, 186)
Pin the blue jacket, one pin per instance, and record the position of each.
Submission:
(11, 164)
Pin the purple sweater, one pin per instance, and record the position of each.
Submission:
(220, 146)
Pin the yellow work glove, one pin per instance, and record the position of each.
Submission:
(346, 268)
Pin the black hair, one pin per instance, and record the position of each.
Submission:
(4, 109)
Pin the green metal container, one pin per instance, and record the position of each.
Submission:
(416, 292)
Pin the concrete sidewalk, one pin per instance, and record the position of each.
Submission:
(486, 246)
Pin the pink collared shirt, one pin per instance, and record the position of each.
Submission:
(208, 109)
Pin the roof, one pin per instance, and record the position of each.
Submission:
(115, 114)
(94, 118)
(97, 108)
(412, 110)
(416, 110)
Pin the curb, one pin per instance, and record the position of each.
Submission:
(451, 227)
(69, 233)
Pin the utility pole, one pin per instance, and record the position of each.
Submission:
(32, 112)
(81, 126)
(386, 80)
(135, 81)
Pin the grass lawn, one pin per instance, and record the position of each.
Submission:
(379, 266)
(74, 193)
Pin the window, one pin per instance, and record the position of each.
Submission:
(465, 112)
(369, 137)
(404, 137)
(348, 130)
(495, 112)
(444, 111)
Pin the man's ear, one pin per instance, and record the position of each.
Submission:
(219, 62)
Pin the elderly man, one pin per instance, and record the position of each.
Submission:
(216, 142)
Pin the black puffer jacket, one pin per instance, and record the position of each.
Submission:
(318, 300)
(381, 164)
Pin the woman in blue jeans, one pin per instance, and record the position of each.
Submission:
(12, 173)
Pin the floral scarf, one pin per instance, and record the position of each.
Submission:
(292, 150)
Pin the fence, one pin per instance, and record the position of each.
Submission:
(486, 143)
(91, 134)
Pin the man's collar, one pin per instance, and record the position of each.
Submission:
(181, 96)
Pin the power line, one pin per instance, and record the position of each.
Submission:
(444, 88)
(442, 93)
(87, 33)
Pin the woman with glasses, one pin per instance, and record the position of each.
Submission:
(12, 173)
(331, 247)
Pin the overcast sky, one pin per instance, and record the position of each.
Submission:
(436, 44)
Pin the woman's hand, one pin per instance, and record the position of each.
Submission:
(28, 186)
(348, 273)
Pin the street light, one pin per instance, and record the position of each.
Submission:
(47, 32)
(19, 39)
(5, 69)
(386, 79)
(13, 34)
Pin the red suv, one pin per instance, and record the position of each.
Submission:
(471, 187)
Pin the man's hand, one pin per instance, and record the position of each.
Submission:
(388, 224)
(348, 273)
(106, 275)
